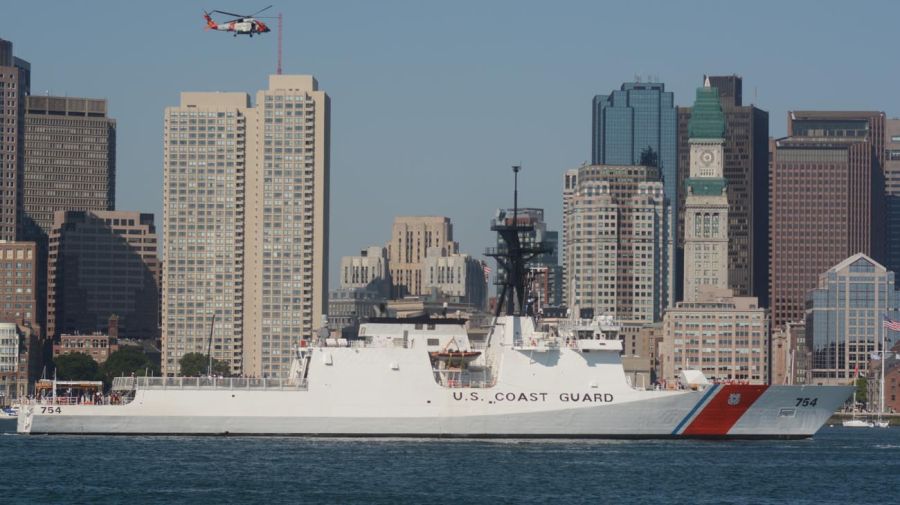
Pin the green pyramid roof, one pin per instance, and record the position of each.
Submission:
(707, 119)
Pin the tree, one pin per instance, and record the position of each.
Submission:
(862, 390)
(194, 364)
(126, 361)
(76, 366)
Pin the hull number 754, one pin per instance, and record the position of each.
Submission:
(806, 402)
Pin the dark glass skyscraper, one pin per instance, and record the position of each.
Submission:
(638, 125)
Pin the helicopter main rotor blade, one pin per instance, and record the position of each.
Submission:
(232, 14)
(257, 12)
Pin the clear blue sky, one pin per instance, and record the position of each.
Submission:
(433, 101)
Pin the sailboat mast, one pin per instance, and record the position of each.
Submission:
(881, 383)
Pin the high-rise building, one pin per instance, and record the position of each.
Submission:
(411, 238)
(203, 224)
(745, 168)
(638, 125)
(706, 201)
(826, 202)
(286, 272)
(544, 271)
(15, 86)
(103, 264)
(246, 224)
(891, 165)
(70, 160)
(616, 242)
(845, 315)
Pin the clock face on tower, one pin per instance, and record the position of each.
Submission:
(706, 157)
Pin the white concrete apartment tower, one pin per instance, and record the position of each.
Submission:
(286, 259)
(246, 223)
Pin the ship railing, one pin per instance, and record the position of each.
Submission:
(459, 379)
(219, 383)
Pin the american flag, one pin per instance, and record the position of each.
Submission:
(487, 271)
(890, 324)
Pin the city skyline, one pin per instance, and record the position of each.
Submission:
(456, 54)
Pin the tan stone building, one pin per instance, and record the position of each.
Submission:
(725, 338)
(458, 277)
(246, 224)
(411, 237)
(616, 242)
(368, 270)
(204, 165)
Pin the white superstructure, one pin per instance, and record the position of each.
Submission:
(423, 377)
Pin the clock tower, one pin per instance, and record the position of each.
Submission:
(706, 202)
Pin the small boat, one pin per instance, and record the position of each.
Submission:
(11, 411)
(857, 423)
(455, 355)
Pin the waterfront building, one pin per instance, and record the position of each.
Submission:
(616, 242)
(891, 383)
(724, 337)
(544, 271)
(791, 356)
(826, 202)
(96, 345)
(367, 271)
(411, 239)
(9, 362)
(706, 202)
(15, 86)
(457, 277)
(103, 264)
(638, 125)
(70, 160)
(845, 315)
(892, 193)
(745, 169)
(246, 224)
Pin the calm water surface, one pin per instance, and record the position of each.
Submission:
(839, 466)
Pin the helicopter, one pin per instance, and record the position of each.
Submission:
(240, 25)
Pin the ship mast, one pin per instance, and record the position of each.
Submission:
(513, 256)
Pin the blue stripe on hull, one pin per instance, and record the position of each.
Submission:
(694, 410)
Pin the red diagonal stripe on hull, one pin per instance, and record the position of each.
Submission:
(718, 416)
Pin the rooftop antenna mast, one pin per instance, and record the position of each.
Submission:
(278, 69)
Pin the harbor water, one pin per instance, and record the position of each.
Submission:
(839, 466)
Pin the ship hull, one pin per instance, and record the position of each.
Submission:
(721, 411)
